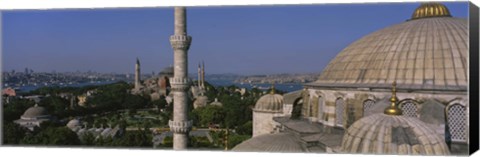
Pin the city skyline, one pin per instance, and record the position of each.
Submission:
(230, 40)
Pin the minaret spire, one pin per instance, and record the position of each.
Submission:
(180, 41)
(203, 74)
(199, 75)
(137, 75)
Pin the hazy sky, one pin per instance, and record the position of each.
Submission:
(241, 39)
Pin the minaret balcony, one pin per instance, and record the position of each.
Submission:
(180, 41)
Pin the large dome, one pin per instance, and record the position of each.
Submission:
(35, 112)
(428, 52)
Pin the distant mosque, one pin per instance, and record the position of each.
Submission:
(354, 108)
(155, 86)
(33, 117)
(159, 85)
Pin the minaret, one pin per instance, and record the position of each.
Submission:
(137, 75)
(199, 73)
(203, 75)
(180, 41)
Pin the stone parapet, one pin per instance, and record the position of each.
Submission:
(180, 126)
(180, 84)
(180, 41)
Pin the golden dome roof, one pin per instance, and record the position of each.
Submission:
(431, 10)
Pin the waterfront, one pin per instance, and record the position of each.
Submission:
(286, 87)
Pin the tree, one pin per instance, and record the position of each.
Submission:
(55, 105)
(13, 133)
(134, 139)
(59, 136)
(160, 103)
(210, 114)
(15, 109)
(245, 129)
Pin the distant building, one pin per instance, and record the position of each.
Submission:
(9, 92)
(81, 130)
(82, 99)
(137, 83)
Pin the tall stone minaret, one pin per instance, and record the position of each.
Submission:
(180, 41)
(199, 73)
(203, 75)
(137, 75)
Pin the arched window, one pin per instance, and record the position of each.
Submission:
(310, 109)
(339, 107)
(320, 108)
(368, 107)
(297, 108)
(409, 109)
(457, 122)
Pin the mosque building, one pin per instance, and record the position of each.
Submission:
(353, 107)
(33, 117)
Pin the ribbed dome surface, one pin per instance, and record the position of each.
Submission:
(280, 142)
(35, 112)
(422, 54)
(385, 134)
(270, 103)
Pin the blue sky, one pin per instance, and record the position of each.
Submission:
(233, 39)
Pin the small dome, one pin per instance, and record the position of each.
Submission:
(270, 103)
(35, 112)
(82, 131)
(392, 134)
(280, 142)
(74, 123)
(216, 103)
(431, 10)
(200, 101)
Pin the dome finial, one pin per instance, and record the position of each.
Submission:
(273, 89)
(430, 9)
(393, 109)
